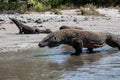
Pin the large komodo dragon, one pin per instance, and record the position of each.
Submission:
(79, 39)
(70, 27)
(25, 29)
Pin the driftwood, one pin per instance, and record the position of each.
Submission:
(25, 29)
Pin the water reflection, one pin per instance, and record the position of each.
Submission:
(23, 65)
(57, 63)
(99, 66)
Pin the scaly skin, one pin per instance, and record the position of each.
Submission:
(113, 37)
(25, 29)
(69, 27)
(79, 39)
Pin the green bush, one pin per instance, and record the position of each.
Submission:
(12, 6)
(39, 5)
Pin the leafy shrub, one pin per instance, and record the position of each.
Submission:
(38, 5)
(12, 6)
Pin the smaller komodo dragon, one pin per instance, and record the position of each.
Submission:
(79, 39)
(25, 29)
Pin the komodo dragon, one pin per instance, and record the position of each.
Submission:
(25, 29)
(69, 27)
(79, 39)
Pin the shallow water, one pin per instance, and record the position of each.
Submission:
(58, 64)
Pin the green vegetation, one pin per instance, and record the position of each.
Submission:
(12, 6)
(39, 5)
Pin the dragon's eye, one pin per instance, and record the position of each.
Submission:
(54, 38)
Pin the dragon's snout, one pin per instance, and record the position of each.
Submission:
(41, 44)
